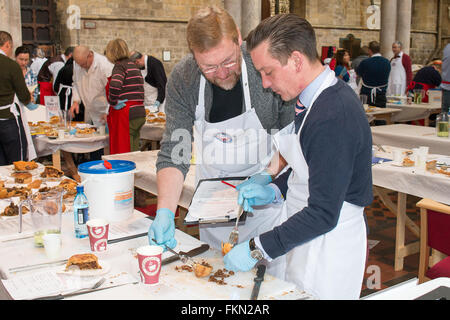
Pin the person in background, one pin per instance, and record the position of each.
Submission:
(22, 55)
(330, 60)
(49, 72)
(364, 54)
(401, 71)
(445, 84)
(155, 79)
(126, 98)
(322, 229)
(90, 76)
(13, 139)
(374, 73)
(429, 77)
(38, 60)
(342, 65)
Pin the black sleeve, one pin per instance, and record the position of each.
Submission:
(281, 182)
(156, 77)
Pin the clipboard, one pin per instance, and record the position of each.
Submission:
(191, 220)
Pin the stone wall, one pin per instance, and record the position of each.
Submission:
(152, 26)
(149, 26)
(10, 20)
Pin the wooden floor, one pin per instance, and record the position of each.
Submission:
(380, 272)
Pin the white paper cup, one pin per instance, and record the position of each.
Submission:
(101, 130)
(149, 258)
(98, 230)
(52, 245)
(61, 134)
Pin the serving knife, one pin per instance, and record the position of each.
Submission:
(261, 270)
(192, 253)
(38, 266)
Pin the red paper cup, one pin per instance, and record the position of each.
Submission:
(149, 258)
(98, 234)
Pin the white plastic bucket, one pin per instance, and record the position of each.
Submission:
(435, 97)
(110, 192)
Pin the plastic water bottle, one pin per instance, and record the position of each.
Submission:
(81, 213)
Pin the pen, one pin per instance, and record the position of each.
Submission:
(228, 184)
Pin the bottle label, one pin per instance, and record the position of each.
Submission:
(83, 215)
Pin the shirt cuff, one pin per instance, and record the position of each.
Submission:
(260, 247)
(278, 195)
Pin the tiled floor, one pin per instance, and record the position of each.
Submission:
(380, 272)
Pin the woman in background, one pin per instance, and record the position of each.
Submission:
(125, 92)
(342, 65)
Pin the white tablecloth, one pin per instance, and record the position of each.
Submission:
(122, 258)
(145, 178)
(410, 112)
(410, 136)
(45, 146)
(410, 180)
(152, 131)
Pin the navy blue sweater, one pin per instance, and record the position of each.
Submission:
(337, 144)
(374, 72)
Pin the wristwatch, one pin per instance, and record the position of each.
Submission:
(255, 253)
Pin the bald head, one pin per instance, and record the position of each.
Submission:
(83, 56)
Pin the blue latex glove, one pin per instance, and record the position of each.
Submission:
(32, 106)
(120, 104)
(156, 104)
(163, 229)
(239, 258)
(263, 178)
(255, 195)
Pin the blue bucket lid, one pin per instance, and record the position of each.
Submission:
(98, 167)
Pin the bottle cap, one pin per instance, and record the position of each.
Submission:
(80, 189)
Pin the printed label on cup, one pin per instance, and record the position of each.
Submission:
(98, 234)
(149, 259)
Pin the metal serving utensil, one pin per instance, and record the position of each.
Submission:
(234, 235)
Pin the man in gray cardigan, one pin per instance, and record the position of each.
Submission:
(215, 89)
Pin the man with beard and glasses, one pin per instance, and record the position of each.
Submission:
(216, 90)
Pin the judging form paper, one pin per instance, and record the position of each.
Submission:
(215, 199)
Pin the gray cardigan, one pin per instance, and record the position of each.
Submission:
(182, 99)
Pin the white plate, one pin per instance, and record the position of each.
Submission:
(444, 160)
(87, 273)
(397, 164)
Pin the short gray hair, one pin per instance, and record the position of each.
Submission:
(135, 56)
(398, 43)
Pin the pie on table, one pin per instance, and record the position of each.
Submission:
(85, 261)
(24, 165)
(51, 172)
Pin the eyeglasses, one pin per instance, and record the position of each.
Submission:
(225, 64)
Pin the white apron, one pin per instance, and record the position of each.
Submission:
(31, 152)
(330, 266)
(232, 137)
(397, 77)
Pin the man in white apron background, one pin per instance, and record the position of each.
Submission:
(322, 229)
(217, 91)
(14, 93)
(374, 73)
(155, 80)
(401, 71)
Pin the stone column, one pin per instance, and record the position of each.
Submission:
(251, 16)
(234, 8)
(404, 23)
(10, 20)
(388, 27)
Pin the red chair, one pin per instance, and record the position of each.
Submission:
(435, 234)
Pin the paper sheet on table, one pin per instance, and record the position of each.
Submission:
(132, 227)
(48, 283)
(214, 199)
